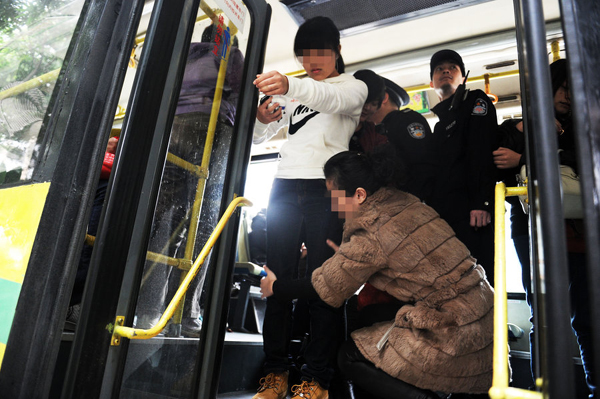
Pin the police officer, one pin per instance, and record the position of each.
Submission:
(465, 136)
(365, 138)
(412, 139)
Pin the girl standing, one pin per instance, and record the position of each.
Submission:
(321, 114)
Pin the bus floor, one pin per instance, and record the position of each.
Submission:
(162, 367)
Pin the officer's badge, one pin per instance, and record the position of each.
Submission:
(416, 130)
(480, 107)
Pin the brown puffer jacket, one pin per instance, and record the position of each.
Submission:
(442, 340)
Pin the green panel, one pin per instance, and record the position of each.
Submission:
(9, 296)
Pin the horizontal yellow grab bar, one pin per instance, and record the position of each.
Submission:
(30, 84)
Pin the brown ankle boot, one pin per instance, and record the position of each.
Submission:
(273, 386)
(309, 390)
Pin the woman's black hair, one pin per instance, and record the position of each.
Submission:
(208, 34)
(319, 33)
(558, 74)
(350, 170)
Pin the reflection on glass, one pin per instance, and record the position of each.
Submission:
(34, 37)
(188, 207)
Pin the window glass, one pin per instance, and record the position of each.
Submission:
(190, 200)
(34, 38)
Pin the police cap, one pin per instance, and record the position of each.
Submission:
(397, 94)
(446, 55)
(374, 83)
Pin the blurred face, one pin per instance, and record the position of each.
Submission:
(346, 207)
(369, 110)
(447, 76)
(319, 64)
(562, 100)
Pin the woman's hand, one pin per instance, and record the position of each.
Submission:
(268, 112)
(519, 126)
(111, 147)
(333, 245)
(266, 284)
(505, 158)
(272, 83)
(559, 127)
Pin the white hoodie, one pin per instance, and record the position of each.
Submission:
(321, 118)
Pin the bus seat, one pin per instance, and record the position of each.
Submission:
(246, 308)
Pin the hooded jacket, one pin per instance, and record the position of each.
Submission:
(320, 118)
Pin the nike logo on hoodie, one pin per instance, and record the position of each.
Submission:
(300, 110)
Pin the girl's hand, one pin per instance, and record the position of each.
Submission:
(272, 83)
(265, 113)
(266, 284)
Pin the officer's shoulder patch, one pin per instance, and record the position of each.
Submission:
(480, 107)
(416, 130)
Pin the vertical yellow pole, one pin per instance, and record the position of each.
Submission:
(208, 144)
(555, 48)
(500, 377)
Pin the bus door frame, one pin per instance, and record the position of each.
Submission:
(582, 35)
(77, 130)
(552, 304)
(121, 242)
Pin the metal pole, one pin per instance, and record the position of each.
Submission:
(546, 202)
(582, 35)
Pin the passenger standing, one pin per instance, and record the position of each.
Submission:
(365, 138)
(412, 139)
(321, 115)
(178, 186)
(257, 238)
(83, 266)
(466, 138)
(576, 248)
(509, 159)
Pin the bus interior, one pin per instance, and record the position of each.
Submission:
(76, 73)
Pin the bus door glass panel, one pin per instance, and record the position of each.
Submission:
(34, 38)
(189, 203)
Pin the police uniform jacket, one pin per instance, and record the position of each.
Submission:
(465, 138)
(414, 143)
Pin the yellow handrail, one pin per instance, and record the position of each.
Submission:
(53, 75)
(135, 333)
(190, 167)
(208, 146)
(500, 388)
(473, 79)
(30, 84)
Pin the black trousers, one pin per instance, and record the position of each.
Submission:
(373, 382)
(300, 211)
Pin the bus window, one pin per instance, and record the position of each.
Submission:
(259, 179)
(34, 38)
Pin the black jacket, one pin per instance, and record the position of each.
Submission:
(465, 138)
(414, 143)
(510, 137)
